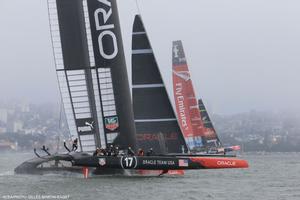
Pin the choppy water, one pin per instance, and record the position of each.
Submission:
(270, 177)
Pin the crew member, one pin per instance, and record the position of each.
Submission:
(130, 152)
(116, 151)
(150, 152)
(103, 152)
(141, 152)
(112, 150)
(75, 145)
(109, 150)
(97, 152)
(44, 148)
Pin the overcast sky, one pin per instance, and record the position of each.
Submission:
(243, 54)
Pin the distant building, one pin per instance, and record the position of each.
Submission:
(3, 115)
(25, 108)
(3, 130)
(17, 126)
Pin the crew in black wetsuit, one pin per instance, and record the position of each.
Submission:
(113, 150)
(103, 152)
(75, 145)
(116, 151)
(97, 152)
(130, 152)
(110, 150)
(150, 152)
(45, 150)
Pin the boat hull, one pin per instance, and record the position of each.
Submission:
(162, 162)
(114, 165)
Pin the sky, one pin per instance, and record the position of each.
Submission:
(243, 54)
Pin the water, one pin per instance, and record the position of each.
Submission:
(270, 177)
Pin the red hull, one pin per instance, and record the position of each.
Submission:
(220, 163)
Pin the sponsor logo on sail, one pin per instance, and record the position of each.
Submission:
(184, 75)
(84, 129)
(155, 136)
(176, 51)
(176, 54)
(90, 124)
(105, 28)
(112, 123)
(85, 125)
(181, 106)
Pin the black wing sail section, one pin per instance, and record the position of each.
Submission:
(91, 71)
(110, 67)
(153, 113)
(72, 62)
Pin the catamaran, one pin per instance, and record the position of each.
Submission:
(100, 111)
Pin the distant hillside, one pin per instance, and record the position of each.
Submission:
(260, 131)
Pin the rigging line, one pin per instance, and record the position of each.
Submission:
(60, 114)
(59, 125)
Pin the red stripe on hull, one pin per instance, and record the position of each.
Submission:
(220, 163)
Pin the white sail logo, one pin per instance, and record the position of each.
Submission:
(91, 125)
(181, 106)
(176, 51)
(106, 30)
(183, 74)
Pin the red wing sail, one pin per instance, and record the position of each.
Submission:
(191, 121)
(186, 102)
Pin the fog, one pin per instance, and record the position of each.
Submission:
(243, 54)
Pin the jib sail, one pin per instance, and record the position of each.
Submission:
(91, 71)
(212, 139)
(153, 113)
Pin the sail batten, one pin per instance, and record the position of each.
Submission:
(139, 33)
(142, 51)
(159, 85)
